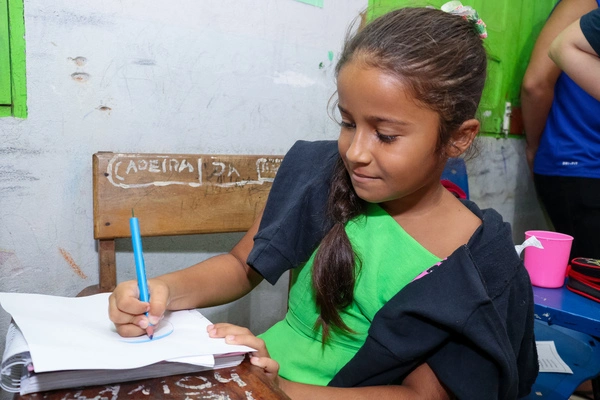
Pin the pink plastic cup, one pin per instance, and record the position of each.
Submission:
(547, 267)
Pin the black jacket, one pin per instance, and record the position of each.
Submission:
(470, 319)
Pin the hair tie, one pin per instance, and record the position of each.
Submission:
(467, 13)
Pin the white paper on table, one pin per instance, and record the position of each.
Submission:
(76, 333)
(549, 359)
(206, 361)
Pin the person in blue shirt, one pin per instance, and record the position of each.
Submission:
(562, 128)
(576, 50)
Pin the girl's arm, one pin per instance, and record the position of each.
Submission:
(218, 280)
(573, 54)
(421, 384)
(537, 91)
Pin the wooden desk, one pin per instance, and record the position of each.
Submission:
(244, 382)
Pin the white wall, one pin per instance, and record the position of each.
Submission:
(210, 76)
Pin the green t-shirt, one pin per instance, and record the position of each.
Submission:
(391, 259)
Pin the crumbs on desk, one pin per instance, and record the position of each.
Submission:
(137, 389)
(234, 377)
(108, 393)
(185, 383)
(197, 386)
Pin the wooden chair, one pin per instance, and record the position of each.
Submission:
(174, 194)
(181, 194)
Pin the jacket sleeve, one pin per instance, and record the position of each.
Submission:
(445, 319)
(499, 359)
(294, 220)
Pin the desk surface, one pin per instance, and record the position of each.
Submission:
(562, 307)
(244, 382)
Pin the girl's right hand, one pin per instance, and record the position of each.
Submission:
(127, 312)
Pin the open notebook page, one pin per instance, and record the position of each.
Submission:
(76, 333)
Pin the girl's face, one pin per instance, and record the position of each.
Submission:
(387, 140)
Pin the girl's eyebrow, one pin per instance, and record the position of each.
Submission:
(342, 109)
(376, 119)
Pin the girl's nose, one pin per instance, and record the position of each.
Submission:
(358, 151)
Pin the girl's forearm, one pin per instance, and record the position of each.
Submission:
(218, 280)
(299, 391)
(421, 384)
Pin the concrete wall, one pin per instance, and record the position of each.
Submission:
(499, 178)
(211, 76)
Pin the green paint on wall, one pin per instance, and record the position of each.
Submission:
(330, 55)
(15, 25)
(316, 3)
(513, 27)
(5, 88)
(17, 50)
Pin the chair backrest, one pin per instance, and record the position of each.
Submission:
(181, 194)
(174, 194)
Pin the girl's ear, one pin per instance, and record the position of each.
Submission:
(463, 137)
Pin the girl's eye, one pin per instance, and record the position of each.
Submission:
(348, 125)
(385, 138)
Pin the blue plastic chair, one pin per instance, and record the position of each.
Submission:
(561, 307)
(581, 352)
(456, 172)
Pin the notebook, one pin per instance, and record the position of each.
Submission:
(61, 342)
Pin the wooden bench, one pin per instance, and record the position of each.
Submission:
(174, 194)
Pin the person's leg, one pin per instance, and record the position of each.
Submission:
(573, 206)
(585, 209)
(553, 193)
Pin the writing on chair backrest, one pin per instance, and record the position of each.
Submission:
(174, 194)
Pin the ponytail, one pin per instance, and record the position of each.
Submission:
(335, 265)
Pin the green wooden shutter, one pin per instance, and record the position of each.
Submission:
(5, 70)
(13, 87)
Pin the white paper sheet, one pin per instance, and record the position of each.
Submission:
(76, 333)
(549, 359)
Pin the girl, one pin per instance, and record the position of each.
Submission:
(399, 289)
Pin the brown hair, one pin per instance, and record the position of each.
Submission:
(441, 59)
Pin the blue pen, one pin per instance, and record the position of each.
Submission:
(140, 266)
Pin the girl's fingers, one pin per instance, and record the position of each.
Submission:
(128, 313)
(223, 329)
(250, 341)
(234, 334)
(124, 302)
(134, 328)
(270, 366)
(124, 314)
(159, 298)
